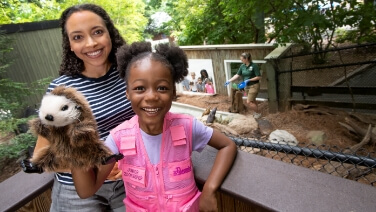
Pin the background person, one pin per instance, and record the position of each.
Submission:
(200, 85)
(90, 41)
(209, 88)
(156, 143)
(193, 82)
(205, 76)
(251, 75)
(185, 84)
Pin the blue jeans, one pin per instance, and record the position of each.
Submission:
(108, 198)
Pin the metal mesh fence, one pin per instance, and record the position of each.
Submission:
(359, 166)
(348, 66)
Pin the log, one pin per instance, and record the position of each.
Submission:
(361, 131)
(237, 105)
(364, 141)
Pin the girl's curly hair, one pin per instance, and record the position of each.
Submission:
(71, 65)
(173, 57)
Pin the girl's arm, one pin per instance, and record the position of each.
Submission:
(227, 151)
(87, 182)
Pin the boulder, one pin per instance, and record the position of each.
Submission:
(243, 124)
(282, 137)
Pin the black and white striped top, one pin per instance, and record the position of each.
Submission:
(106, 96)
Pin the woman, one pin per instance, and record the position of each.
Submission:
(205, 76)
(90, 41)
(251, 76)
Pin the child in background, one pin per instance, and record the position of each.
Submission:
(209, 88)
(193, 82)
(157, 144)
(200, 85)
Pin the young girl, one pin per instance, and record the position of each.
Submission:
(209, 88)
(157, 144)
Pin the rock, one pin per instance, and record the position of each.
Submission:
(282, 137)
(265, 127)
(224, 129)
(243, 124)
(316, 137)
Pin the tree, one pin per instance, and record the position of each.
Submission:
(216, 21)
(310, 23)
(362, 25)
(21, 11)
(128, 16)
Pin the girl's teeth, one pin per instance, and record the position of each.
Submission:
(150, 110)
(94, 53)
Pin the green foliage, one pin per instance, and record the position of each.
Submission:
(17, 146)
(128, 16)
(362, 23)
(21, 11)
(310, 23)
(217, 21)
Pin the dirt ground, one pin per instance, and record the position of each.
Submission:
(295, 122)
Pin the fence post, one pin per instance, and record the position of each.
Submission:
(278, 87)
(272, 88)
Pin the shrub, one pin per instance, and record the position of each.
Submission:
(17, 146)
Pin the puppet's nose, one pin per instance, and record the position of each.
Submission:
(49, 118)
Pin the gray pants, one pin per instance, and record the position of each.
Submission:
(108, 198)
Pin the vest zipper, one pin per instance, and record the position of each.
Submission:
(158, 185)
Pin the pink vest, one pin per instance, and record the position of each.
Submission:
(209, 88)
(168, 185)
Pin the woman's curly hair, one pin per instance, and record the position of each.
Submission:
(173, 57)
(72, 65)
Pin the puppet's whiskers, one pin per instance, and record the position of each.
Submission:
(75, 114)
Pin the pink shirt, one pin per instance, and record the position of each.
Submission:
(209, 88)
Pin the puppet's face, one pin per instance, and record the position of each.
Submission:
(58, 111)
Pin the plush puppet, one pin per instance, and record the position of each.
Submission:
(66, 121)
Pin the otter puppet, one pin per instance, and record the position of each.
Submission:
(65, 119)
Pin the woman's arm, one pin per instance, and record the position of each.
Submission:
(256, 78)
(236, 76)
(87, 182)
(227, 151)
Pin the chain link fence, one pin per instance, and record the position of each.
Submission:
(359, 166)
(342, 76)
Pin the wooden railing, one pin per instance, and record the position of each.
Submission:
(255, 183)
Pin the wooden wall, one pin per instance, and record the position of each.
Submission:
(219, 53)
(36, 52)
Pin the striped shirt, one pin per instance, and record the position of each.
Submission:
(106, 96)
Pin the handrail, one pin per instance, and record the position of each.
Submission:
(277, 186)
(21, 188)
